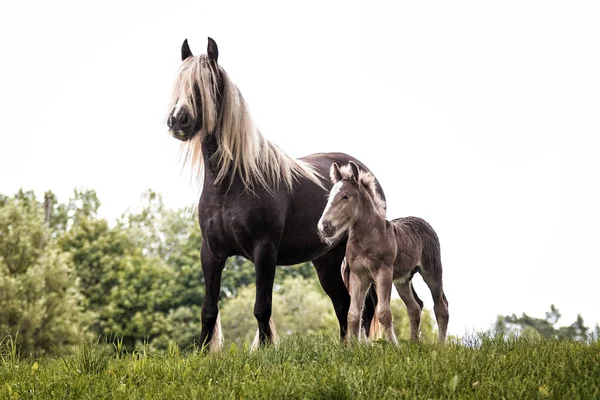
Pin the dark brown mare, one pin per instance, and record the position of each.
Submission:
(382, 253)
(256, 201)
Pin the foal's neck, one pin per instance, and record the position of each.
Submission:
(369, 222)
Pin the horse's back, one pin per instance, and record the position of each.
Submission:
(322, 163)
(303, 208)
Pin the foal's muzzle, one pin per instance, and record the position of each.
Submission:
(327, 229)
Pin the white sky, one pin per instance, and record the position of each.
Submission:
(483, 118)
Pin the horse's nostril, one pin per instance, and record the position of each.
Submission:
(184, 120)
(327, 227)
(170, 121)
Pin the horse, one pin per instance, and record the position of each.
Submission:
(256, 201)
(382, 252)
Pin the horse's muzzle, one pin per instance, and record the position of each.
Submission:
(181, 135)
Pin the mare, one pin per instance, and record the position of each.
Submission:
(256, 201)
(382, 253)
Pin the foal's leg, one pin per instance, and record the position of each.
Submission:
(212, 267)
(328, 268)
(383, 286)
(358, 286)
(414, 307)
(433, 279)
(264, 264)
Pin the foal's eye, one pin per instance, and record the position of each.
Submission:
(345, 197)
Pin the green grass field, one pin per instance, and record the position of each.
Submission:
(314, 368)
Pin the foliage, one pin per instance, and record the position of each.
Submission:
(40, 301)
(317, 368)
(299, 306)
(83, 205)
(546, 327)
(97, 252)
(64, 271)
(140, 280)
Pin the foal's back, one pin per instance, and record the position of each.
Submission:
(418, 246)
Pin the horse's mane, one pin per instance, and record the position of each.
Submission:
(367, 180)
(242, 148)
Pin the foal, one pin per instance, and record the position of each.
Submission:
(382, 252)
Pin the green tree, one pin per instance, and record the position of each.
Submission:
(40, 302)
(63, 216)
(138, 306)
(97, 252)
(545, 327)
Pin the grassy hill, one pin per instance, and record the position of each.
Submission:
(314, 368)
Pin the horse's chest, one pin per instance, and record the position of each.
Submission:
(235, 226)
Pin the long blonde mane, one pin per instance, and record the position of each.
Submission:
(367, 180)
(243, 150)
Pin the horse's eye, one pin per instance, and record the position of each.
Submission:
(345, 197)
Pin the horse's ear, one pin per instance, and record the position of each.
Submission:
(212, 50)
(354, 169)
(185, 51)
(334, 173)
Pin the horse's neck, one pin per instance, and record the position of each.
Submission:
(209, 150)
(210, 157)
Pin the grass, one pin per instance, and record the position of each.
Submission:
(313, 368)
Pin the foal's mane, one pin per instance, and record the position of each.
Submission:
(367, 180)
(242, 148)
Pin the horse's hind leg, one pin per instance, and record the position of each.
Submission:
(433, 279)
(264, 264)
(383, 312)
(212, 268)
(414, 307)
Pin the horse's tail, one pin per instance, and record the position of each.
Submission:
(345, 274)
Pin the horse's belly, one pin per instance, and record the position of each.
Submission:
(300, 248)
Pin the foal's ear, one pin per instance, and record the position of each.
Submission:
(185, 51)
(334, 173)
(212, 50)
(354, 169)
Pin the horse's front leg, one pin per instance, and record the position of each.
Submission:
(265, 258)
(328, 270)
(211, 336)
